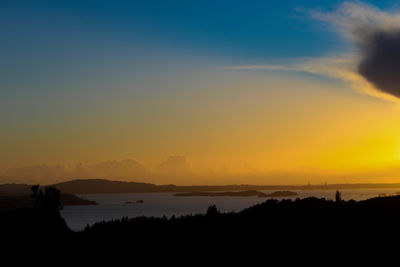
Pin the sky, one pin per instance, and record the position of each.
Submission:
(200, 92)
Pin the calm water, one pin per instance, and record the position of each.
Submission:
(112, 206)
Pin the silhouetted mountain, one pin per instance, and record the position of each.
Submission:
(94, 186)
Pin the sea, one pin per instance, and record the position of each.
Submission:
(116, 206)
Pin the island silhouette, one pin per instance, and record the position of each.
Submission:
(248, 193)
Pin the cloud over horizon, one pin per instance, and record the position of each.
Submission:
(174, 165)
(128, 169)
(48, 174)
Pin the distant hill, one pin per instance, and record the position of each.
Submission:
(90, 186)
(97, 186)
(93, 186)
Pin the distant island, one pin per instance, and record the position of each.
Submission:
(248, 193)
(26, 201)
(133, 202)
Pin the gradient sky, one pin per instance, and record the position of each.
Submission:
(91, 81)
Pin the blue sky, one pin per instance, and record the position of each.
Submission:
(250, 30)
(36, 35)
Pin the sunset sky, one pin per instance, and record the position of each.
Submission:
(200, 92)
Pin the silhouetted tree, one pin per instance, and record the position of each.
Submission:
(49, 200)
(35, 194)
(338, 196)
(212, 211)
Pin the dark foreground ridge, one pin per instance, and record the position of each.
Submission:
(248, 193)
(299, 224)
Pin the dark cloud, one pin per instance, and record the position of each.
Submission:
(380, 63)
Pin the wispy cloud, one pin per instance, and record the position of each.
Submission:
(374, 66)
(359, 21)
